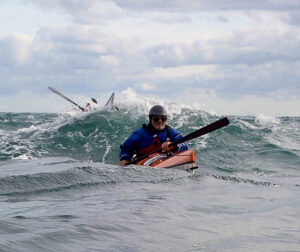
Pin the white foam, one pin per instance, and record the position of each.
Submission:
(201, 143)
(248, 125)
(131, 100)
(22, 157)
(107, 150)
(140, 105)
(28, 130)
(263, 119)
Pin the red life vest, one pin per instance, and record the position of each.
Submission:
(156, 144)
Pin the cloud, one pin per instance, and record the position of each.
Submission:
(248, 46)
(293, 17)
(244, 62)
(83, 12)
(242, 105)
(230, 49)
(110, 60)
(222, 18)
(76, 56)
(147, 87)
(195, 5)
(168, 18)
(97, 12)
(15, 50)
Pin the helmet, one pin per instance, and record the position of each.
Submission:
(157, 110)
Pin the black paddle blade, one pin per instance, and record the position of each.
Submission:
(207, 129)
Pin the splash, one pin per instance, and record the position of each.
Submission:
(265, 120)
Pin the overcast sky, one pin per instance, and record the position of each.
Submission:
(231, 56)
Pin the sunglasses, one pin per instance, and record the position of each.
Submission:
(157, 118)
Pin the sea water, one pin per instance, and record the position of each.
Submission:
(62, 190)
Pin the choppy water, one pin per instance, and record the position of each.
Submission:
(61, 190)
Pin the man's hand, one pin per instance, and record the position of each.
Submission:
(165, 146)
(123, 162)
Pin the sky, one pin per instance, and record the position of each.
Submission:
(235, 57)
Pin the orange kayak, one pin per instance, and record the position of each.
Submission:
(184, 160)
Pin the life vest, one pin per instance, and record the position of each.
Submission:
(156, 144)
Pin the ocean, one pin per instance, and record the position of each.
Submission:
(62, 190)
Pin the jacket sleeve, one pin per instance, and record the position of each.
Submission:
(175, 135)
(129, 147)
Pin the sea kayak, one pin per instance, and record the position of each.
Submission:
(184, 160)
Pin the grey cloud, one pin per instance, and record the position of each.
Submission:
(82, 12)
(293, 17)
(173, 5)
(14, 50)
(83, 40)
(196, 5)
(236, 81)
(241, 48)
(222, 19)
(75, 56)
(251, 62)
(169, 17)
(97, 12)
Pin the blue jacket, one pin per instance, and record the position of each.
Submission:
(142, 138)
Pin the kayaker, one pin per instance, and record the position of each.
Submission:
(156, 134)
(88, 107)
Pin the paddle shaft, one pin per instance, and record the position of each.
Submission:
(66, 98)
(207, 129)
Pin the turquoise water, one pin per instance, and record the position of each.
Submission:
(61, 190)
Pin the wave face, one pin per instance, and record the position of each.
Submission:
(247, 144)
(60, 187)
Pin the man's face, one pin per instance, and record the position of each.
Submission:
(159, 122)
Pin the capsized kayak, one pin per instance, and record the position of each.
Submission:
(184, 160)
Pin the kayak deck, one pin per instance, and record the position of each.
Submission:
(184, 160)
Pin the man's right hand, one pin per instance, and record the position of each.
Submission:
(123, 162)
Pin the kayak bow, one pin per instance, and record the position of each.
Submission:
(184, 160)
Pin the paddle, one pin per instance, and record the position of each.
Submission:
(111, 101)
(94, 100)
(61, 95)
(202, 131)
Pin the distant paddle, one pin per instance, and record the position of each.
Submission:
(110, 102)
(94, 100)
(202, 131)
(66, 98)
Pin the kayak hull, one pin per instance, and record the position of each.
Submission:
(184, 160)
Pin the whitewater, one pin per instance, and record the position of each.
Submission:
(62, 190)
